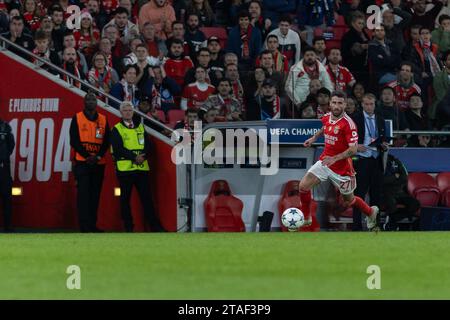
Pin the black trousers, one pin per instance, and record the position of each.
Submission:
(89, 185)
(5, 194)
(139, 179)
(369, 179)
(391, 201)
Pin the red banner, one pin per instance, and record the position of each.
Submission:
(39, 112)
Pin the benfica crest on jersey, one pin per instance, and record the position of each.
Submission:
(336, 130)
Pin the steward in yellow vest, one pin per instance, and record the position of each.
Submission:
(89, 139)
(130, 148)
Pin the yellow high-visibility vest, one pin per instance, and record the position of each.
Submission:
(133, 140)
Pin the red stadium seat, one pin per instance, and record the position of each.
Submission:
(290, 198)
(161, 116)
(175, 115)
(424, 188)
(218, 32)
(443, 181)
(223, 211)
(340, 21)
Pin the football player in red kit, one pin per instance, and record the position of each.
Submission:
(335, 163)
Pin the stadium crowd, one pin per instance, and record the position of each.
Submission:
(237, 60)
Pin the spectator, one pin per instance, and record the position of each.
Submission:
(320, 47)
(415, 115)
(43, 50)
(383, 57)
(227, 106)
(59, 27)
(323, 102)
(389, 110)
(156, 47)
(127, 30)
(133, 9)
(203, 60)
(267, 104)
(202, 10)
(281, 63)
(368, 166)
(340, 76)
(108, 6)
(257, 20)
(118, 49)
(245, 41)
(46, 26)
(178, 32)
(231, 72)
(267, 62)
(31, 14)
(190, 117)
(16, 35)
(409, 48)
(308, 110)
(127, 89)
(351, 107)
(177, 63)
(301, 74)
(145, 63)
(404, 86)
(443, 117)
(105, 47)
(275, 10)
(425, 61)
(86, 39)
(425, 18)
(289, 40)
(160, 14)
(99, 16)
(164, 91)
(69, 42)
(195, 38)
(253, 85)
(358, 91)
(315, 14)
(195, 94)
(394, 193)
(216, 57)
(132, 167)
(71, 65)
(394, 31)
(210, 116)
(441, 35)
(441, 85)
(131, 58)
(89, 138)
(101, 75)
(230, 58)
(354, 48)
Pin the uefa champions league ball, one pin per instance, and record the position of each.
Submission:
(293, 219)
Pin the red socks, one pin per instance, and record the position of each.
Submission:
(305, 198)
(361, 205)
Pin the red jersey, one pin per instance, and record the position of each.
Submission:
(339, 135)
(341, 78)
(196, 97)
(177, 68)
(403, 94)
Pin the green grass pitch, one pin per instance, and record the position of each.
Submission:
(226, 266)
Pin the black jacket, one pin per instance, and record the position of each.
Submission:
(6, 142)
(358, 118)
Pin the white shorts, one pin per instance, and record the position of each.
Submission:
(345, 184)
(324, 191)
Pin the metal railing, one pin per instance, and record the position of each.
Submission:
(99, 92)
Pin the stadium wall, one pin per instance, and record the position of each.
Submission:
(39, 109)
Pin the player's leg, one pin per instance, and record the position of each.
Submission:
(347, 185)
(312, 178)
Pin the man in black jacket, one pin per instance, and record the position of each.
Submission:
(368, 162)
(6, 148)
(17, 35)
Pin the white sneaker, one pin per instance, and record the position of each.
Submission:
(372, 219)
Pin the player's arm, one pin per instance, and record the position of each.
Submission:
(350, 152)
(308, 143)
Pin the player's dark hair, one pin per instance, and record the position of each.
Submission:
(339, 94)
(121, 10)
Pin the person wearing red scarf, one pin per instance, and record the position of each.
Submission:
(70, 65)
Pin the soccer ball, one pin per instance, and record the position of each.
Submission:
(293, 219)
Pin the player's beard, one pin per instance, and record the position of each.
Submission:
(337, 116)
